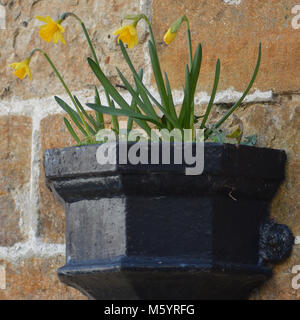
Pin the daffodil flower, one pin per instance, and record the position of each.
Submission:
(52, 30)
(128, 34)
(22, 69)
(169, 36)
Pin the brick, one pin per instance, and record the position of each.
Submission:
(21, 36)
(10, 232)
(54, 134)
(36, 279)
(15, 166)
(232, 33)
(278, 288)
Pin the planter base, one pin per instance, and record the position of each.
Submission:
(161, 278)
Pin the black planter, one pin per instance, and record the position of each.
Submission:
(152, 232)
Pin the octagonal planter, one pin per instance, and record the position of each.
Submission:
(152, 232)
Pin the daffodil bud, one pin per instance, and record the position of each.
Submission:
(172, 31)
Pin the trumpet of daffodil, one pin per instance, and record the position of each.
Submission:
(128, 34)
(22, 69)
(52, 30)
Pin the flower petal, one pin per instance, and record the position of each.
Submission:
(60, 27)
(29, 73)
(118, 31)
(14, 65)
(132, 29)
(55, 37)
(44, 19)
(61, 38)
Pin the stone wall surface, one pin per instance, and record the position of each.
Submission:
(31, 222)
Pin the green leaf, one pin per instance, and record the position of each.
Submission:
(114, 119)
(88, 117)
(108, 86)
(116, 96)
(213, 95)
(233, 108)
(73, 114)
(191, 78)
(71, 130)
(188, 98)
(168, 116)
(195, 69)
(136, 77)
(121, 112)
(158, 75)
(236, 105)
(133, 104)
(99, 115)
(170, 98)
(147, 108)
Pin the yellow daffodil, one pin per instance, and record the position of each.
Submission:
(128, 35)
(169, 36)
(52, 30)
(22, 69)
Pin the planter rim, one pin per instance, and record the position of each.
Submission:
(219, 159)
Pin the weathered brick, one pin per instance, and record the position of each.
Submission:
(232, 33)
(15, 166)
(279, 288)
(54, 134)
(21, 36)
(36, 279)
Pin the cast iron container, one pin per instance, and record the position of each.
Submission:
(153, 232)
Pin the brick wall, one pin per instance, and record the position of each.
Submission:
(31, 222)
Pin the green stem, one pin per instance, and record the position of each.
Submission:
(68, 14)
(64, 85)
(64, 16)
(150, 29)
(186, 20)
(90, 43)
